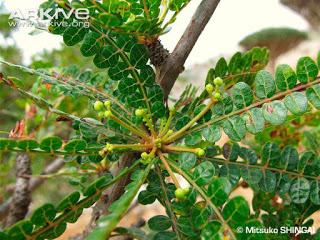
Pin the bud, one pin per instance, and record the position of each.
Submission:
(200, 152)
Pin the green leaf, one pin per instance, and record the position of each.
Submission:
(74, 34)
(265, 85)
(106, 224)
(212, 133)
(299, 190)
(219, 190)
(315, 192)
(91, 44)
(223, 107)
(307, 70)
(51, 144)
(159, 223)
(289, 158)
(268, 181)
(211, 231)
(221, 68)
(275, 112)
(251, 175)
(108, 57)
(297, 103)
(313, 95)
(242, 95)
(193, 139)
(254, 120)
(27, 144)
(165, 236)
(20, 230)
(270, 154)
(200, 214)
(68, 201)
(236, 211)
(235, 128)
(146, 197)
(231, 151)
(97, 185)
(139, 55)
(43, 215)
(203, 173)
(6, 144)
(285, 77)
(231, 172)
(75, 145)
(187, 160)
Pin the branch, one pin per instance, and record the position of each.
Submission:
(173, 66)
(34, 183)
(21, 199)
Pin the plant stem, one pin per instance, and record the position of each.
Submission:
(171, 148)
(171, 173)
(177, 134)
(167, 126)
(205, 197)
(168, 203)
(81, 204)
(257, 104)
(140, 147)
(130, 128)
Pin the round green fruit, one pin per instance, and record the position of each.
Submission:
(181, 193)
(140, 112)
(217, 96)
(107, 114)
(98, 106)
(209, 88)
(200, 152)
(218, 81)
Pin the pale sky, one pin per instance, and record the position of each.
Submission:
(232, 21)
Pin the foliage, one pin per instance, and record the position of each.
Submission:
(127, 116)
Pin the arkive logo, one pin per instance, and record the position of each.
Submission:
(49, 14)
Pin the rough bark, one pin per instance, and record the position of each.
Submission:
(21, 199)
(34, 183)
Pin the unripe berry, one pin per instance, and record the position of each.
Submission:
(140, 112)
(186, 191)
(107, 114)
(101, 114)
(98, 106)
(109, 147)
(200, 152)
(170, 132)
(144, 155)
(107, 104)
(209, 88)
(181, 193)
(218, 81)
(158, 142)
(217, 96)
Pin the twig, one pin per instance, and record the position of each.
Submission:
(21, 199)
(173, 66)
(34, 183)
